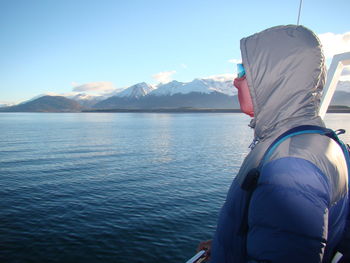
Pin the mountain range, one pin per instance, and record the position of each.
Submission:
(207, 93)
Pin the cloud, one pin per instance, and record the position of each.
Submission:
(184, 66)
(164, 77)
(95, 87)
(335, 43)
(235, 61)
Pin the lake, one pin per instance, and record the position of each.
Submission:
(117, 187)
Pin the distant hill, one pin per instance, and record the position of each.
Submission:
(341, 98)
(46, 104)
(338, 109)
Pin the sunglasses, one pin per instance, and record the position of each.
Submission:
(240, 71)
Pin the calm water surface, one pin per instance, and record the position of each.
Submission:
(116, 187)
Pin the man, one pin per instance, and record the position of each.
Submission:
(298, 211)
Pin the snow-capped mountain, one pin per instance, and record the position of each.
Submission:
(86, 99)
(205, 85)
(136, 91)
(197, 85)
(84, 96)
(199, 93)
(223, 85)
(167, 89)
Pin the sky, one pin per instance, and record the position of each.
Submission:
(96, 46)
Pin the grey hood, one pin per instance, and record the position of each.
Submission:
(285, 72)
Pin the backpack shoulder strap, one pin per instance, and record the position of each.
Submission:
(252, 177)
(303, 129)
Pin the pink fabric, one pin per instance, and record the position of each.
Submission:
(245, 100)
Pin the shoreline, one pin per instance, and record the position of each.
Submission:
(155, 111)
(334, 109)
(179, 110)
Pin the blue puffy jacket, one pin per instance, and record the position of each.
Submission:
(298, 211)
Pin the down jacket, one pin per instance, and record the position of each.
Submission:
(298, 211)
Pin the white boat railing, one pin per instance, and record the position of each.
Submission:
(338, 63)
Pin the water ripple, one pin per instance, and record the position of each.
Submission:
(114, 187)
